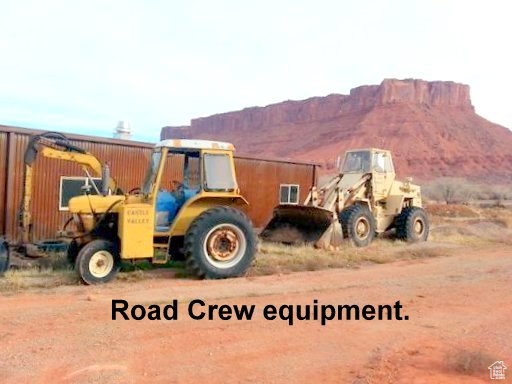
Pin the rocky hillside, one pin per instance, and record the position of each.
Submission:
(431, 127)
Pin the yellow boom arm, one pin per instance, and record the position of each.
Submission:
(55, 146)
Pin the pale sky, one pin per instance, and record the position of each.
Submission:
(81, 66)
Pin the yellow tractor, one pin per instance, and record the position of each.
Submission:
(363, 200)
(198, 215)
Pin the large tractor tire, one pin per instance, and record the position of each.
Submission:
(358, 224)
(219, 243)
(4, 257)
(412, 225)
(98, 262)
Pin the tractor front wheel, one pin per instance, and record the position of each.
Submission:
(219, 243)
(358, 225)
(98, 262)
(412, 225)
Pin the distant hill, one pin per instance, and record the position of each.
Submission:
(431, 127)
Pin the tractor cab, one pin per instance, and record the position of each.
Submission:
(180, 170)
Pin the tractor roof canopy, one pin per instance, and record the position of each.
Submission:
(195, 144)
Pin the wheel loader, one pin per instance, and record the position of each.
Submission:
(363, 200)
(198, 215)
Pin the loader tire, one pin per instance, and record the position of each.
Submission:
(4, 257)
(219, 243)
(412, 225)
(98, 262)
(358, 224)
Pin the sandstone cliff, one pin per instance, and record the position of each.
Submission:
(431, 127)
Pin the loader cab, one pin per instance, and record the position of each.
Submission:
(378, 162)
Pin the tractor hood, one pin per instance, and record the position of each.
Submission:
(95, 203)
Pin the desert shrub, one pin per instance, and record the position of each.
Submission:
(500, 193)
(452, 190)
(449, 190)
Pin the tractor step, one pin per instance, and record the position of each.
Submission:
(160, 255)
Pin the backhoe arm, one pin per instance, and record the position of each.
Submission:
(54, 146)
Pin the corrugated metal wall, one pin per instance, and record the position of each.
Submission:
(259, 180)
(3, 177)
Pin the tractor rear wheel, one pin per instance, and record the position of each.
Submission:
(358, 225)
(219, 243)
(412, 225)
(4, 257)
(98, 262)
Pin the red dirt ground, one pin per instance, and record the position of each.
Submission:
(459, 309)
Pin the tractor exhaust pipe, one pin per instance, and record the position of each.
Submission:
(105, 178)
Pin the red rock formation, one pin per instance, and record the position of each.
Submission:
(431, 127)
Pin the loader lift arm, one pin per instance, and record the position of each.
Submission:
(55, 145)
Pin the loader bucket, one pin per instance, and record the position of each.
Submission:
(295, 224)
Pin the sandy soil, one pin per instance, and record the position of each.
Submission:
(459, 312)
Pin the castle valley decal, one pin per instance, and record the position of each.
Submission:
(137, 216)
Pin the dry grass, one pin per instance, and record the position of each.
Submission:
(274, 258)
(470, 226)
(452, 210)
(452, 226)
(20, 279)
(48, 272)
(132, 276)
(499, 215)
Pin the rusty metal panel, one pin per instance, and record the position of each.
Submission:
(3, 179)
(14, 185)
(260, 180)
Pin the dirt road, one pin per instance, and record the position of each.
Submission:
(459, 310)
